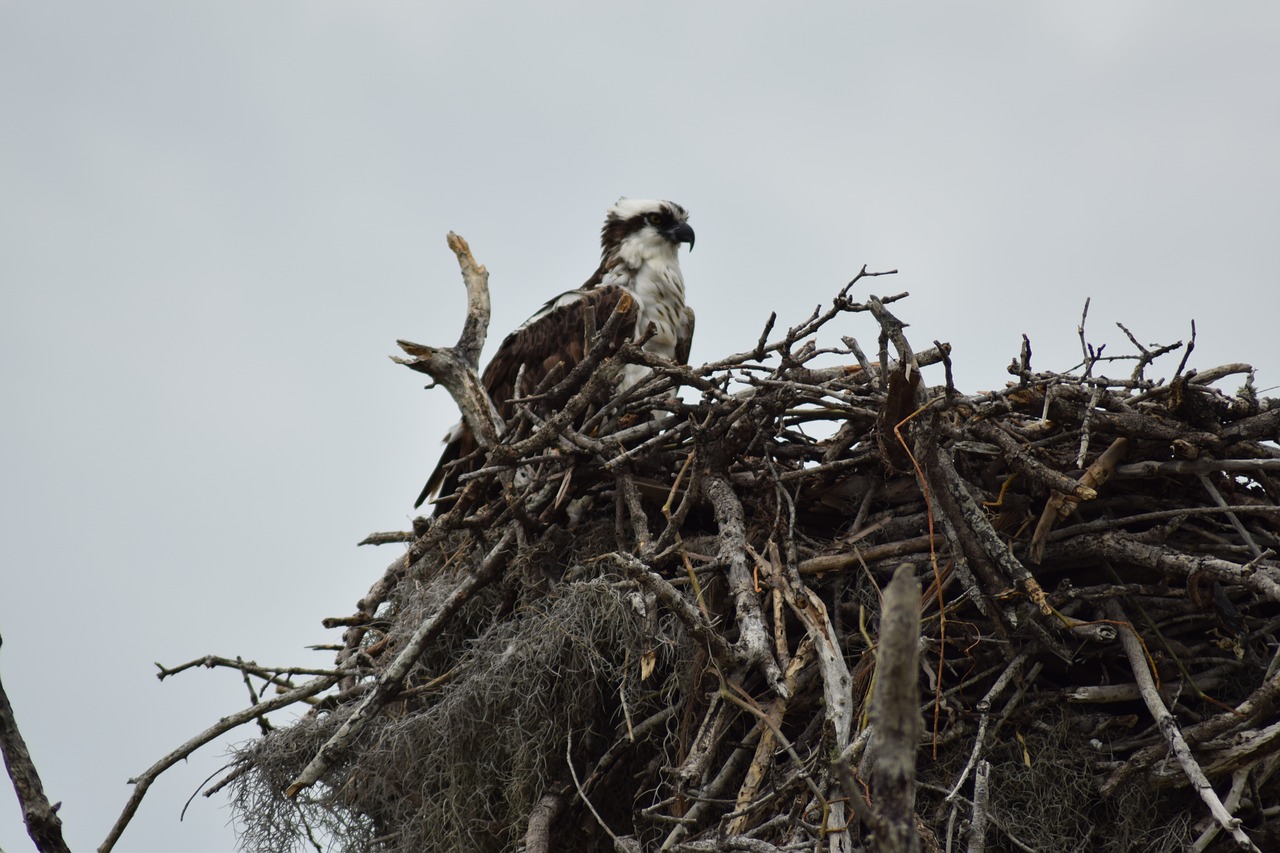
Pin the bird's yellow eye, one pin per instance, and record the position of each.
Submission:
(655, 219)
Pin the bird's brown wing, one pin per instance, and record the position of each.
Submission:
(685, 340)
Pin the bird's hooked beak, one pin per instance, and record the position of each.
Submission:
(682, 233)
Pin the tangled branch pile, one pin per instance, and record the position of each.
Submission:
(663, 631)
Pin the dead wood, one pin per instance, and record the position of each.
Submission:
(43, 824)
(656, 621)
(895, 716)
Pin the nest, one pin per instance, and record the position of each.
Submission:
(668, 625)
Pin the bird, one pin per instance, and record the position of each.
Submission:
(639, 256)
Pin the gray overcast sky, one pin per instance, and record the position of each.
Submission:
(215, 220)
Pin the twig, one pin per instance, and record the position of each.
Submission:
(680, 606)
(1013, 670)
(1169, 726)
(1061, 505)
(1023, 462)
(1156, 468)
(762, 760)
(978, 822)
(387, 537)
(266, 673)
(537, 838)
(622, 845)
(1239, 783)
(1231, 516)
(143, 782)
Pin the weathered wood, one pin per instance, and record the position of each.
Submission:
(895, 715)
(714, 532)
(43, 824)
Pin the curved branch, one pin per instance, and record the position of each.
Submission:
(457, 367)
(226, 724)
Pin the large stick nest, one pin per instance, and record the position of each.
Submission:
(656, 624)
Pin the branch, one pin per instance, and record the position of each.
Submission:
(457, 367)
(1019, 458)
(1013, 670)
(753, 639)
(1153, 468)
(248, 667)
(1061, 505)
(392, 678)
(837, 683)
(43, 824)
(592, 376)
(1260, 705)
(226, 724)
(1125, 548)
(975, 523)
(1169, 726)
(685, 611)
(839, 305)
(476, 278)
(978, 825)
(895, 715)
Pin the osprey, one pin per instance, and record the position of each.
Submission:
(639, 243)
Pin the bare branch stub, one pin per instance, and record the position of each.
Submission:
(476, 327)
(895, 714)
(457, 368)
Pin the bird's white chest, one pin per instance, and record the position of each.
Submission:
(659, 293)
(658, 289)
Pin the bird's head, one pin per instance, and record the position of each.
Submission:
(643, 229)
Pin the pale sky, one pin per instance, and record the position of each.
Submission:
(216, 219)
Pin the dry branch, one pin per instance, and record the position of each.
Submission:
(686, 593)
(391, 681)
(43, 824)
(895, 715)
(143, 781)
(1169, 727)
(457, 367)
